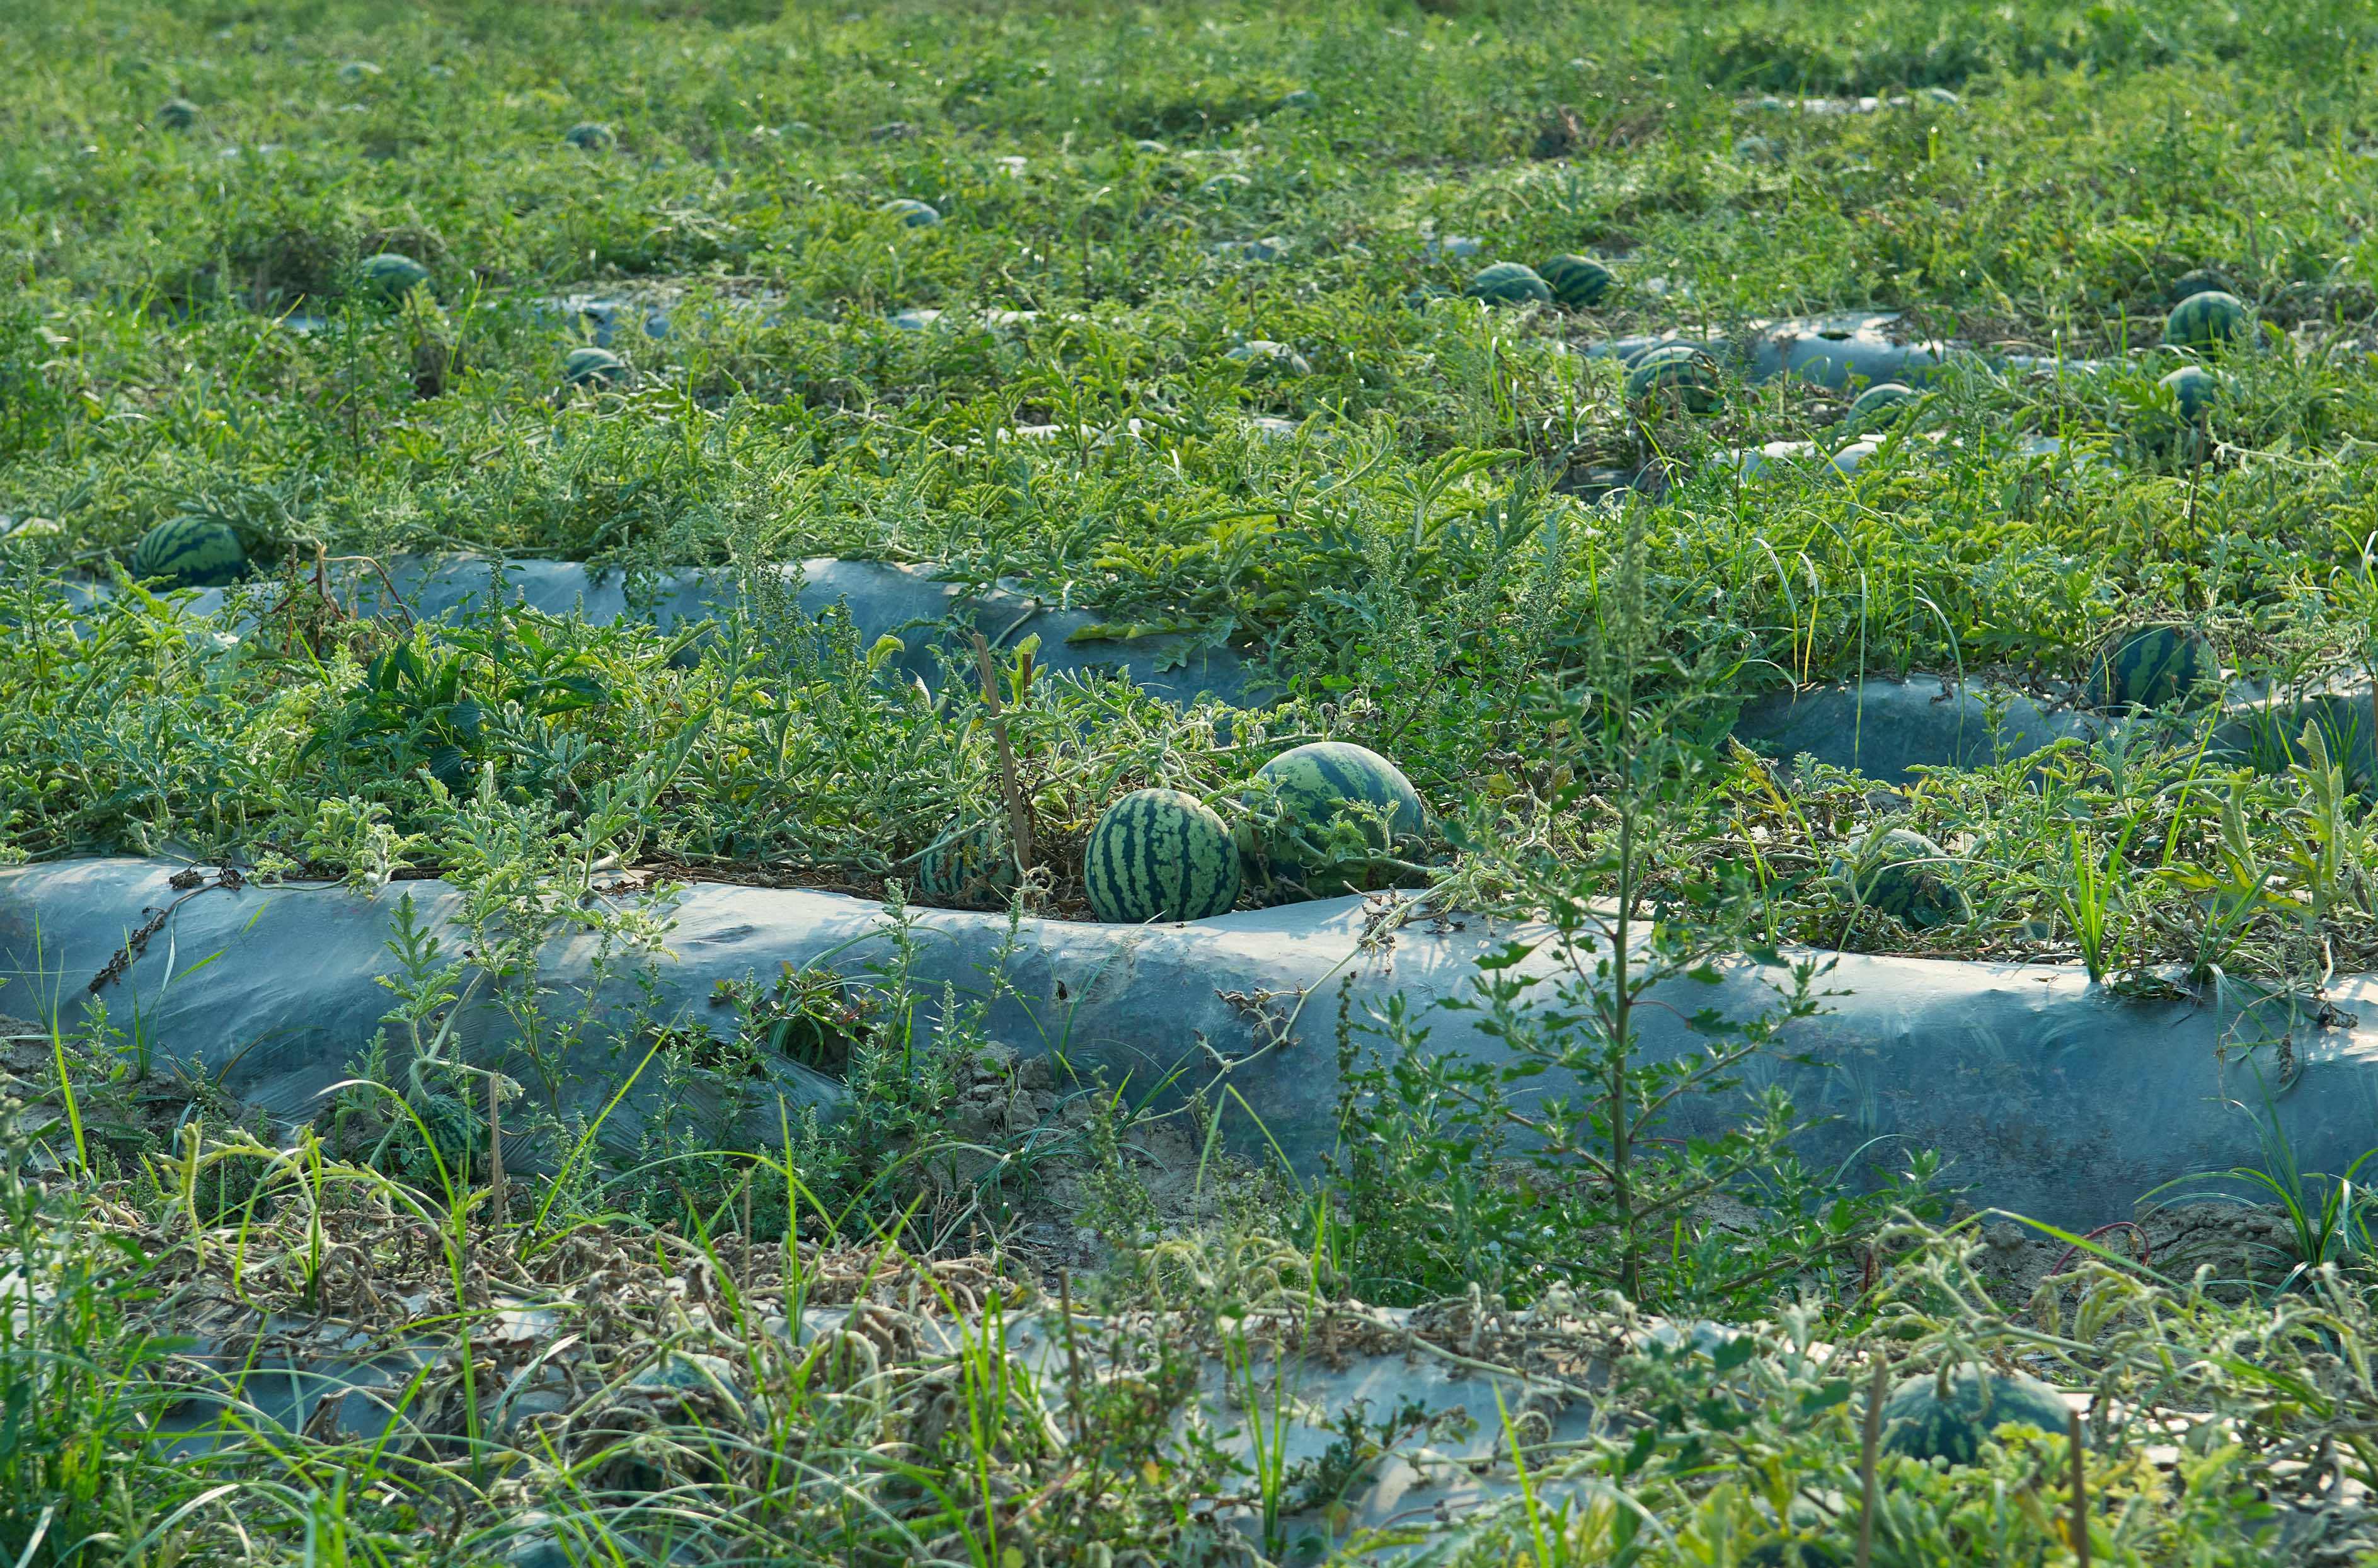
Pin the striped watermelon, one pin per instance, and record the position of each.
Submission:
(2158, 668)
(967, 869)
(179, 115)
(1674, 372)
(1302, 98)
(1923, 1419)
(1885, 403)
(190, 552)
(1756, 149)
(2194, 387)
(1578, 282)
(1793, 1553)
(912, 213)
(2207, 322)
(1160, 855)
(1265, 358)
(1510, 282)
(1901, 874)
(1314, 787)
(390, 275)
(2202, 280)
(588, 135)
(598, 368)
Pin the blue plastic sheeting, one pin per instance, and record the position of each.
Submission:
(2044, 1094)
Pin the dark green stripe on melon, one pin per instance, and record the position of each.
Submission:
(1904, 875)
(967, 869)
(588, 135)
(593, 368)
(1510, 282)
(2202, 280)
(912, 213)
(2194, 387)
(1160, 855)
(190, 552)
(2207, 322)
(1300, 797)
(1881, 405)
(1676, 373)
(391, 276)
(2162, 666)
(1921, 1422)
(1578, 282)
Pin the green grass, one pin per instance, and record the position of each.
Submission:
(184, 329)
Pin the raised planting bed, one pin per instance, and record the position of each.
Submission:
(2044, 1094)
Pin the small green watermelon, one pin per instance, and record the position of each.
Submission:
(1160, 855)
(1677, 372)
(1578, 282)
(1921, 1422)
(590, 366)
(1756, 149)
(912, 213)
(1901, 874)
(190, 552)
(1880, 406)
(1263, 357)
(179, 115)
(2194, 387)
(2202, 280)
(969, 869)
(2160, 667)
(354, 73)
(1793, 1552)
(1510, 282)
(2207, 322)
(1313, 788)
(1302, 98)
(588, 135)
(391, 276)
(1425, 295)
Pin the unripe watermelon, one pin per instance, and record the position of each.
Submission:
(2194, 387)
(1674, 371)
(354, 73)
(588, 135)
(1901, 874)
(2159, 667)
(1919, 1422)
(1422, 296)
(1885, 403)
(190, 552)
(1795, 1552)
(1302, 98)
(1510, 282)
(969, 869)
(1756, 149)
(912, 213)
(179, 115)
(1316, 787)
(2202, 280)
(2207, 322)
(590, 366)
(1578, 282)
(1263, 357)
(1160, 855)
(389, 275)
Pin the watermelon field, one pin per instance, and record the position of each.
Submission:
(1455, 781)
